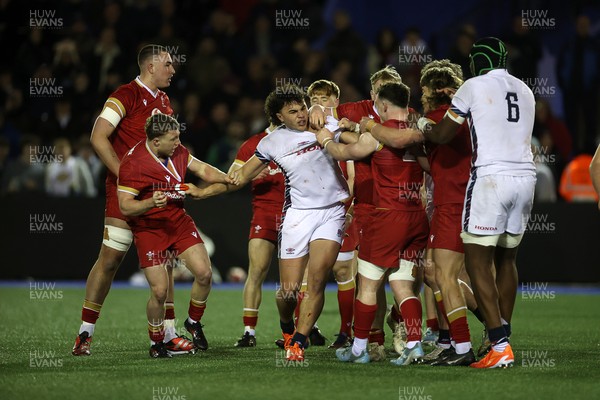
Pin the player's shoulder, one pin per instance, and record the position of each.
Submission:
(127, 89)
(437, 114)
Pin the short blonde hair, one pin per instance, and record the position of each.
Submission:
(386, 74)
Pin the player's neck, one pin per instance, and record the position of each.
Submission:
(147, 80)
(400, 114)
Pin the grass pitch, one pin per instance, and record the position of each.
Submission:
(556, 341)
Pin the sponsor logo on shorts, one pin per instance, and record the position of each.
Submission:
(290, 250)
(150, 255)
(257, 228)
(195, 234)
(340, 233)
(486, 228)
(431, 238)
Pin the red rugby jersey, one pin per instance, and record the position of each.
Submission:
(267, 192)
(397, 177)
(450, 163)
(141, 173)
(136, 103)
(363, 180)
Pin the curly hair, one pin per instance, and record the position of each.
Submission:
(437, 75)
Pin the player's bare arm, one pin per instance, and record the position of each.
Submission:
(236, 180)
(237, 164)
(99, 139)
(365, 145)
(443, 132)
(595, 171)
(392, 137)
(207, 172)
(131, 207)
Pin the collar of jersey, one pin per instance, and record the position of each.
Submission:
(171, 170)
(142, 84)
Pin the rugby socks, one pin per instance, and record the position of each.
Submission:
(196, 310)
(170, 333)
(345, 296)
(287, 327)
(156, 332)
(440, 306)
(250, 318)
(459, 328)
(444, 339)
(433, 324)
(377, 336)
(90, 312)
(507, 327)
(411, 311)
(498, 338)
(364, 315)
(300, 339)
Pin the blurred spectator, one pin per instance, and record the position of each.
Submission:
(68, 175)
(414, 53)
(524, 52)
(578, 72)
(106, 57)
(66, 62)
(207, 68)
(32, 53)
(26, 173)
(11, 97)
(346, 45)
(384, 51)
(62, 122)
(86, 153)
(545, 186)
(559, 139)
(459, 54)
(576, 182)
(215, 129)
(221, 153)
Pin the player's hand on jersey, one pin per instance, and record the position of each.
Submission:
(316, 117)
(262, 174)
(347, 125)
(366, 124)
(159, 198)
(323, 134)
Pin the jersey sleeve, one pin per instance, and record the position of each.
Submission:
(263, 152)
(461, 103)
(122, 99)
(129, 178)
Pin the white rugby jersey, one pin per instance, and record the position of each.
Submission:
(500, 110)
(313, 178)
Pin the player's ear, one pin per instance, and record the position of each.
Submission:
(279, 117)
(336, 102)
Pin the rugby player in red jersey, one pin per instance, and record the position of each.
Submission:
(151, 198)
(349, 115)
(118, 128)
(395, 232)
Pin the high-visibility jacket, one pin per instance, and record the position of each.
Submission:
(576, 182)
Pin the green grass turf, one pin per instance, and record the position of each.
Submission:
(37, 335)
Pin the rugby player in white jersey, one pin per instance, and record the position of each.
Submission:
(313, 224)
(500, 112)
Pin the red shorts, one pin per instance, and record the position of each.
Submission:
(112, 209)
(391, 235)
(157, 246)
(361, 214)
(350, 240)
(265, 224)
(446, 225)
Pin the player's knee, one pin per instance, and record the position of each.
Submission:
(159, 292)
(203, 276)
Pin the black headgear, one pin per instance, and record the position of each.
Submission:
(487, 54)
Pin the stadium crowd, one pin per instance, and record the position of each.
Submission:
(228, 57)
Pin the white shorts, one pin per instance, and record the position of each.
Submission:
(497, 204)
(300, 227)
